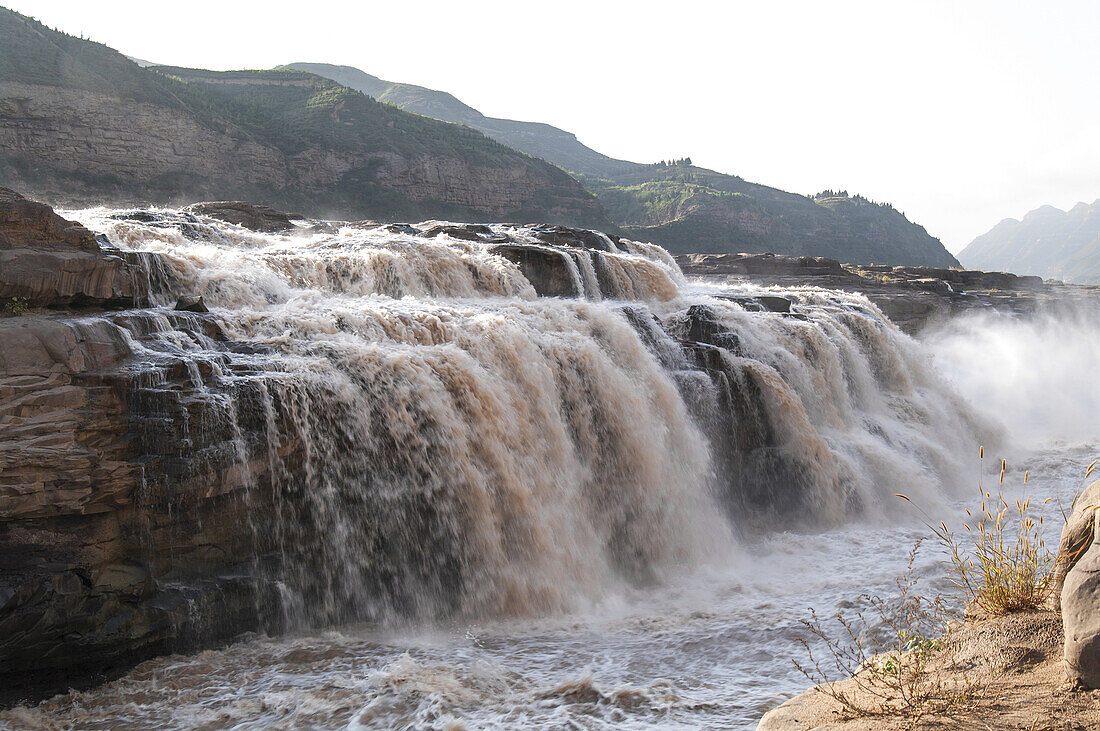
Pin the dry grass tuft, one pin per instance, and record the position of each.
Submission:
(1003, 565)
(1007, 566)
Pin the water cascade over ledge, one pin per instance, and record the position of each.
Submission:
(397, 423)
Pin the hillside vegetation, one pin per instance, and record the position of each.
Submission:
(1048, 242)
(80, 123)
(688, 209)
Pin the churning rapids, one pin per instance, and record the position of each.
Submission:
(493, 508)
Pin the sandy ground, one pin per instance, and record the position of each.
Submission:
(1013, 665)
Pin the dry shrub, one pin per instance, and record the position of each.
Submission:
(891, 663)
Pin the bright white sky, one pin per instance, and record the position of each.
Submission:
(960, 112)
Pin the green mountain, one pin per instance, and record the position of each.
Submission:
(688, 209)
(680, 206)
(1048, 242)
(81, 123)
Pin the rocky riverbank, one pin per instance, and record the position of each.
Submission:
(105, 559)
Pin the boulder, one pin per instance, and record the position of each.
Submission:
(465, 231)
(546, 269)
(761, 303)
(701, 325)
(48, 261)
(253, 217)
(26, 224)
(1077, 536)
(1079, 577)
(191, 303)
(567, 236)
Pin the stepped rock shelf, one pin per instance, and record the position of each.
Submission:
(144, 450)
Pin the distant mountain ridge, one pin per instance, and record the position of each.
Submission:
(1048, 242)
(535, 138)
(685, 208)
(80, 123)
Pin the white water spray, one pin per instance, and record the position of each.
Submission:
(1034, 376)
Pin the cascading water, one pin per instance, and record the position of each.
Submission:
(439, 440)
(463, 446)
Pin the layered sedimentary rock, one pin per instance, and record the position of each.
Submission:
(101, 137)
(106, 559)
(82, 143)
(80, 124)
(48, 261)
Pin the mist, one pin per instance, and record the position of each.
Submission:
(1034, 376)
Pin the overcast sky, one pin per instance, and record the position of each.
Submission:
(960, 112)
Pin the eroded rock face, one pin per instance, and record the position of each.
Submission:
(83, 133)
(547, 269)
(106, 561)
(47, 261)
(759, 474)
(1079, 576)
(103, 559)
(50, 458)
(26, 224)
(566, 236)
(141, 151)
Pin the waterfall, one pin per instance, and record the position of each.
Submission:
(500, 420)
